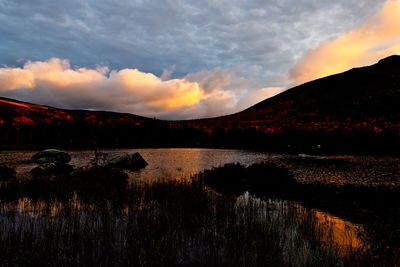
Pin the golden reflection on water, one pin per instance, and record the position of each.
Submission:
(331, 231)
(343, 234)
(36, 208)
(334, 232)
(186, 163)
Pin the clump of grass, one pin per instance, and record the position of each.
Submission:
(6, 173)
(237, 179)
(51, 169)
(90, 184)
(99, 182)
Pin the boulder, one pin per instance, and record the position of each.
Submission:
(131, 161)
(51, 156)
(52, 169)
(6, 173)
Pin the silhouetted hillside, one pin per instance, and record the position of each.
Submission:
(24, 124)
(357, 110)
(358, 93)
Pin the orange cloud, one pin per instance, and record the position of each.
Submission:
(54, 72)
(204, 94)
(376, 38)
(128, 85)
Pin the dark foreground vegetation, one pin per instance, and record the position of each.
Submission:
(269, 180)
(376, 207)
(97, 217)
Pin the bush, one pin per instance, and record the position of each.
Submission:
(257, 178)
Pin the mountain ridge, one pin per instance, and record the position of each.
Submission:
(358, 107)
(355, 75)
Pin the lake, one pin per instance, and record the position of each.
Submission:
(182, 163)
(348, 227)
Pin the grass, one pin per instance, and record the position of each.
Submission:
(164, 224)
(96, 218)
(6, 173)
(91, 184)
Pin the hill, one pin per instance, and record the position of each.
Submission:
(27, 125)
(357, 110)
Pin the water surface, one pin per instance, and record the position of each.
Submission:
(183, 163)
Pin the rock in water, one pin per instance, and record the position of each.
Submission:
(6, 173)
(52, 168)
(132, 161)
(51, 156)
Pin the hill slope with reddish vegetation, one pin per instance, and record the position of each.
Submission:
(24, 124)
(357, 110)
(360, 107)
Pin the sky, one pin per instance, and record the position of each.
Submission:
(177, 59)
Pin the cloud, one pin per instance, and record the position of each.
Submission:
(196, 58)
(154, 35)
(229, 91)
(55, 82)
(203, 94)
(257, 95)
(376, 38)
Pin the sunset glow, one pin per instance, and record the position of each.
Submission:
(221, 81)
(199, 133)
(366, 44)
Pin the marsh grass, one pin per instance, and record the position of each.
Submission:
(186, 226)
(6, 173)
(163, 224)
(102, 220)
